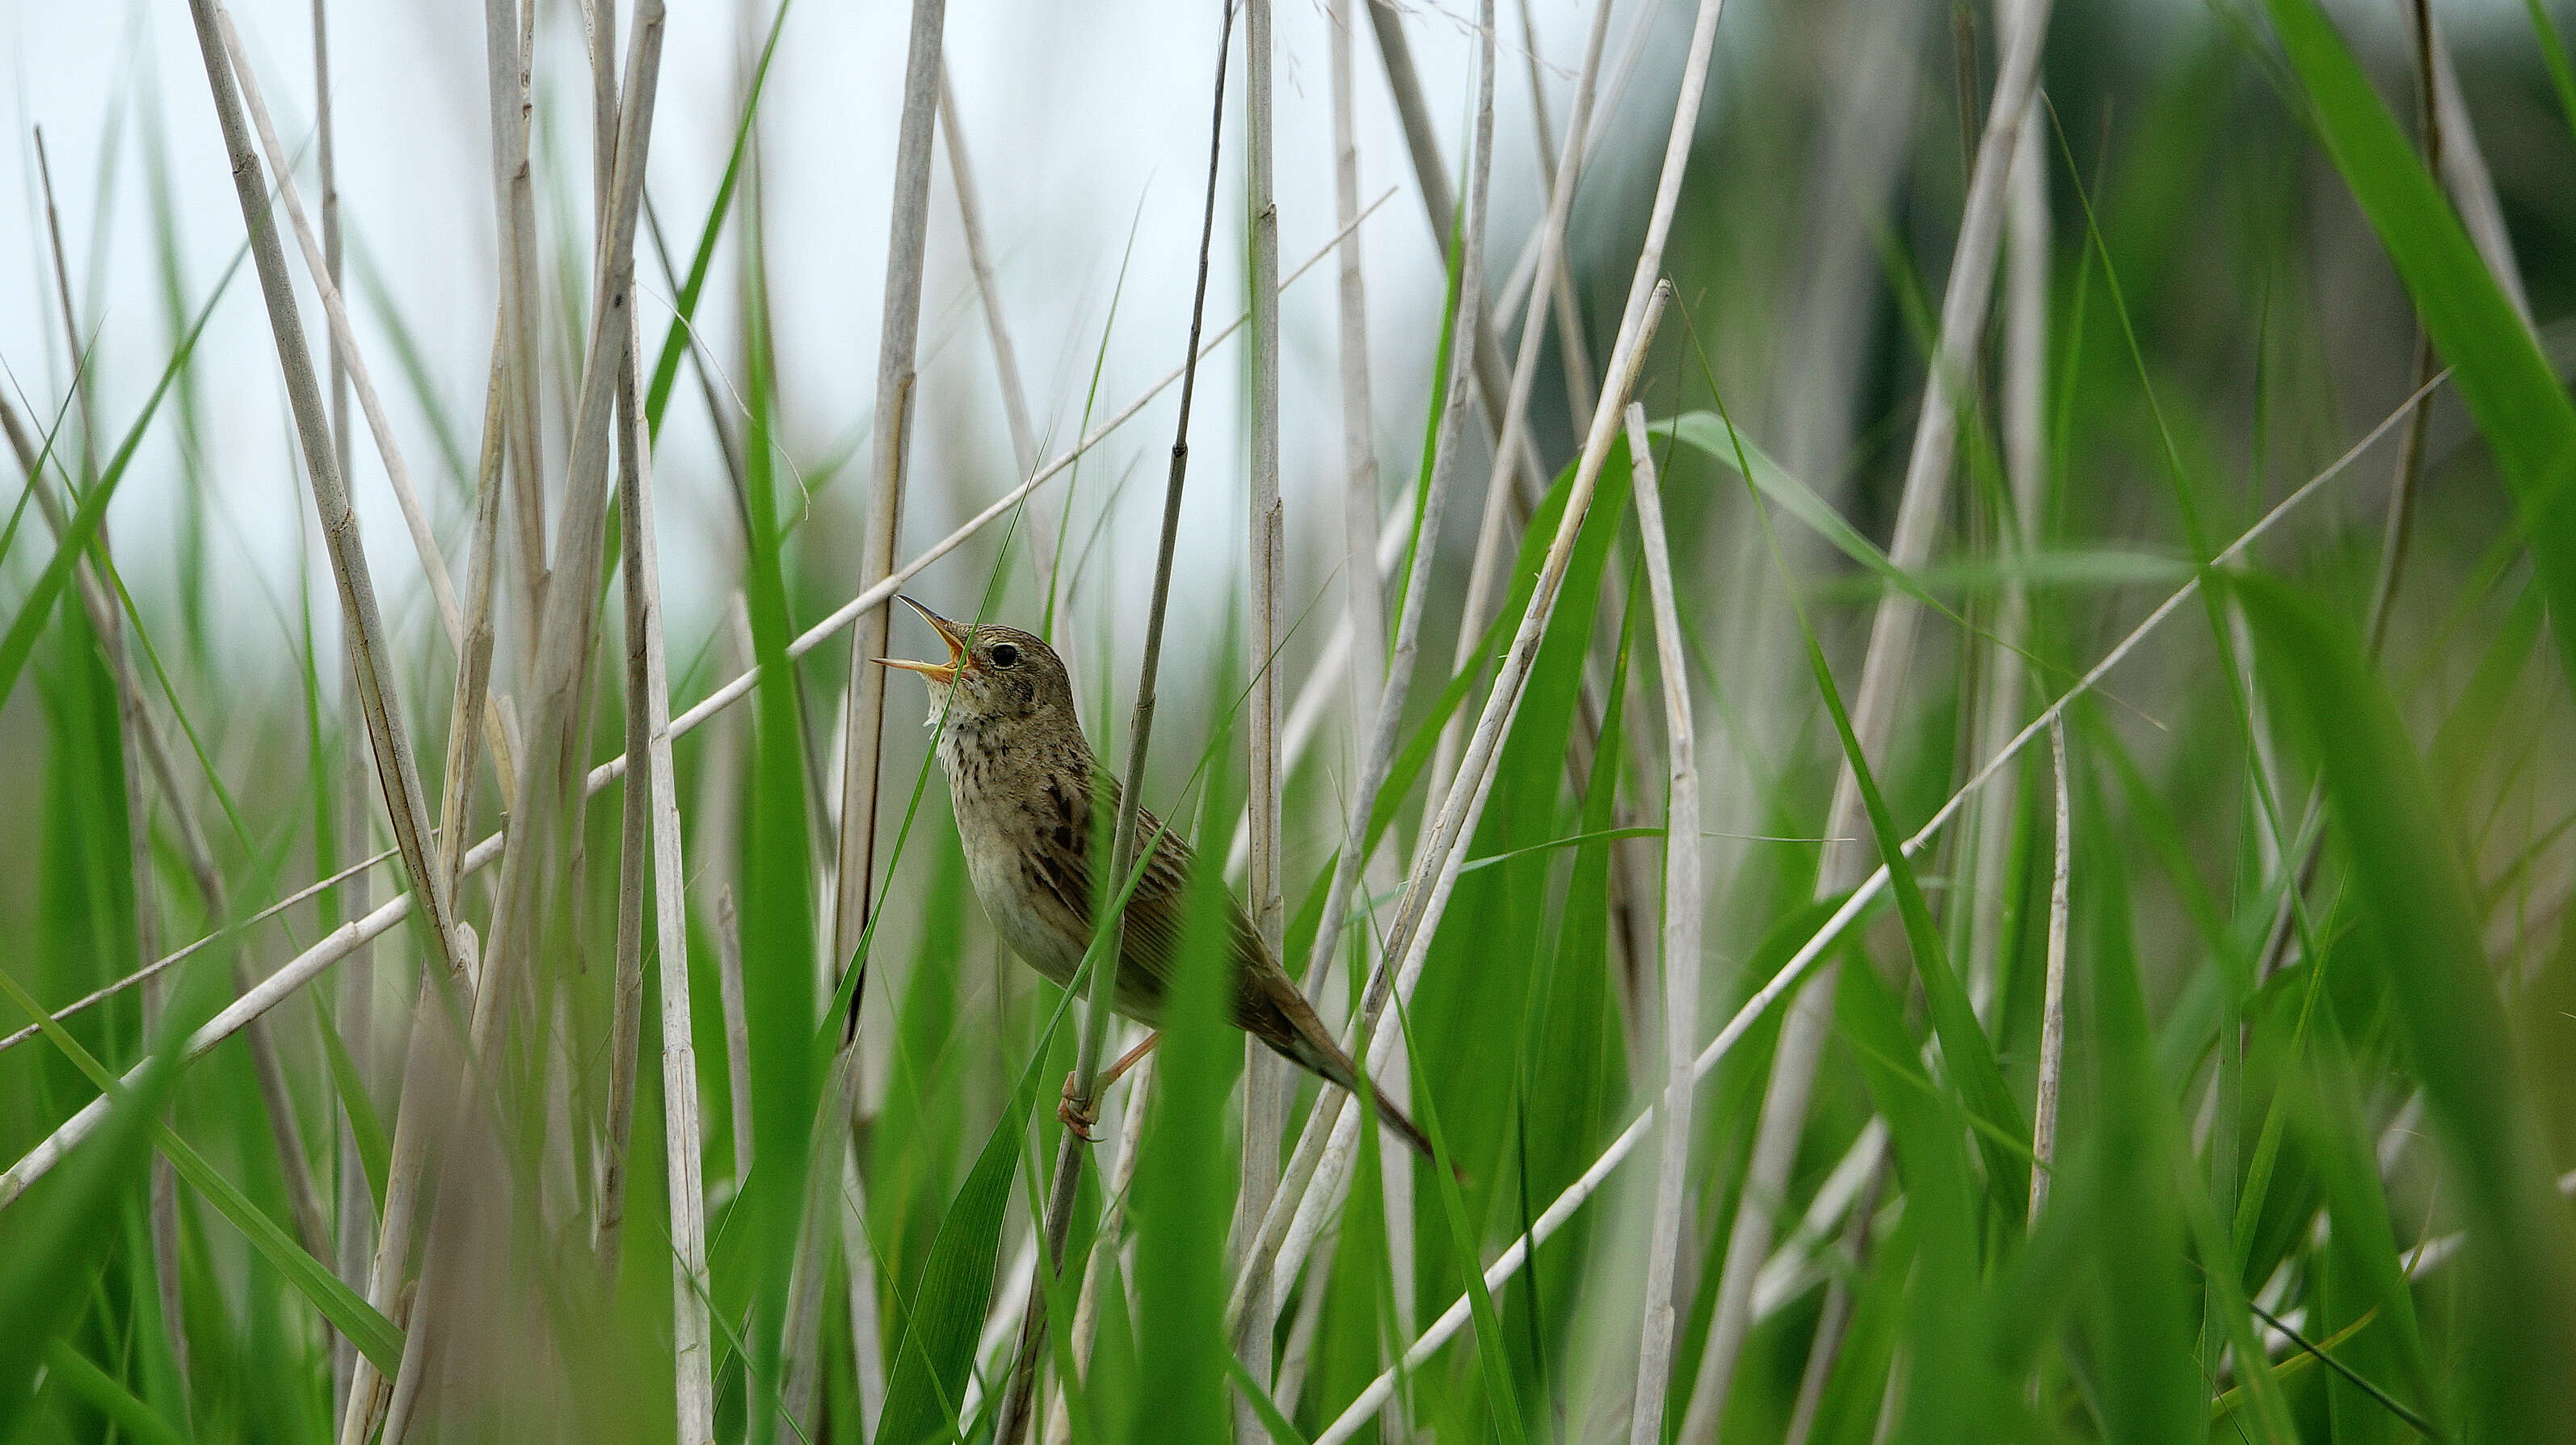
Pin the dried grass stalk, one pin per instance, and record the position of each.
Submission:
(1684, 905)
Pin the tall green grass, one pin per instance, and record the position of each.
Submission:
(2312, 1192)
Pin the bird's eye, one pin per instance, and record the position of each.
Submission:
(1005, 655)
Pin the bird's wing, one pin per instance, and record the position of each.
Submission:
(1157, 913)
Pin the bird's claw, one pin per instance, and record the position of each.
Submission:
(1074, 1116)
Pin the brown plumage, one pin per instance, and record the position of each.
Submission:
(1023, 778)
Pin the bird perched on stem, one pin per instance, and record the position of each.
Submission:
(1023, 779)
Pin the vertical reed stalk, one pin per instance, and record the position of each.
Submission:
(896, 342)
(2052, 1014)
(863, 716)
(550, 786)
(683, 1144)
(1265, 1075)
(1684, 905)
(1268, 1258)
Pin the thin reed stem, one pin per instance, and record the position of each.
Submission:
(683, 1142)
(1684, 907)
(2052, 1012)
(1265, 1075)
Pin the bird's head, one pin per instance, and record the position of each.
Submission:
(994, 676)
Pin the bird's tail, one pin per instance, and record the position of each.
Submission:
(1328, 1061)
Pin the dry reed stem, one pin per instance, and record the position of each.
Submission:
(1364, 619)
(551, 784)
(1109, 941)
(683, 1142)
(1358, 638)
(2025, 445)
(1333, 662)
(1794, 971)
(1431, 178)
(348, 364)
(635, 859)
(343, 343)
(397, 772)
(898, 333)
(1883, 672)
(71, 323)
(472, 698)
(507, 61)
(1489, 560)
(1684, 905)
(1581, 390)
(862, 718)
(1265, 1074)
(389, 1259)
(2052, 1013)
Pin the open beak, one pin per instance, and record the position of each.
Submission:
(949, 632)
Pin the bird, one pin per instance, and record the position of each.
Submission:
(1025, 784)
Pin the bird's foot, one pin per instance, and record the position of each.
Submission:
(1074, 1115)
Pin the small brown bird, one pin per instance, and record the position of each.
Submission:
(1022, 777)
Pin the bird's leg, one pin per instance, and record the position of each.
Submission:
(1070, 1111)
(1128, 1060)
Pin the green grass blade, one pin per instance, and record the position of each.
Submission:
(2412, 891)
(2495, 361)
(105, 1394)
(938, 1348)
